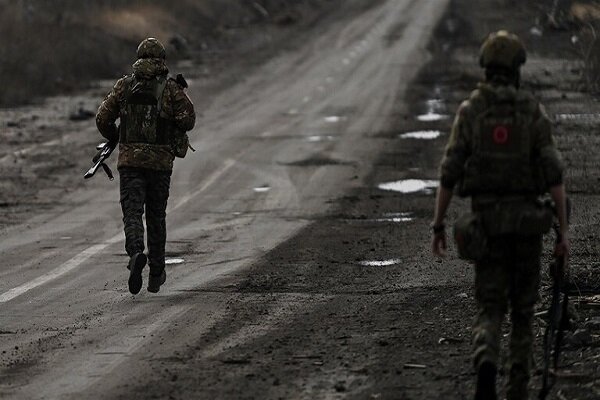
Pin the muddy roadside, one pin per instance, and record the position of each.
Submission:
(354, 306)
(48, 146)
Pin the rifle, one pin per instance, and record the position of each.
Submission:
(104, 151)
(558, 315)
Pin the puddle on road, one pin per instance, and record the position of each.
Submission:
(582, 117)
(333, 119)
(66, 238)
(382, 263)
(410, 186)
(320, 138)
(174, 261)
(435, 111)
(423, 135)
(262, 189)
(432, 117)
(396, 217)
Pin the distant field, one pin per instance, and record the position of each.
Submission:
(51, 46)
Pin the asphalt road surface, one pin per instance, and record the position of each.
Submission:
(68, 326)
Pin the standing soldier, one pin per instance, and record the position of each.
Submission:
(501, 153)
(153, 110)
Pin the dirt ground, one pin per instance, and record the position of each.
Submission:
(381, 318)
(35, 171)
(354, 306)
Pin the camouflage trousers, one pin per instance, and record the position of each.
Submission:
(509, 276)
(145, 189)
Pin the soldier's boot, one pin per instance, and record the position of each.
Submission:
(486, 382)
(137, 262)
(156, 281)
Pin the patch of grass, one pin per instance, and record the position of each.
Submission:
(57, 46)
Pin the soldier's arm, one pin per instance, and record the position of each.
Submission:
(181, 108)
(553, 170)
(108, 112)
(457, 151)
(451, 171)
(546, 151)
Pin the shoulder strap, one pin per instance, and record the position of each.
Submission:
(160, 92)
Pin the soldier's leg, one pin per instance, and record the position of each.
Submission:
(156, 206)
(491, 295)
(523, 296)
(491, 285)
(133, 193)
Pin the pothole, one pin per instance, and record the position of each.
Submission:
(410, 186)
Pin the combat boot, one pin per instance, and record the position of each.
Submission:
(156, 281)
(486, 382)
(137, 262)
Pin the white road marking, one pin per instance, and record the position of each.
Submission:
(85, 255)
(211, 179)
(55, 273)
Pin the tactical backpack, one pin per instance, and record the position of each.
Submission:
(501, 162)
(143, 120)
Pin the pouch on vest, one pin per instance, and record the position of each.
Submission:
(141, 121)
(179, 142)
(470, 237)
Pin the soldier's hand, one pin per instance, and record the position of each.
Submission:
(439, 244)
(563, 249)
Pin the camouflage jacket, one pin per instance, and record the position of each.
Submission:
(542, 155)
(176, 105)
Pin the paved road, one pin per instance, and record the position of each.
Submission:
(272, 151)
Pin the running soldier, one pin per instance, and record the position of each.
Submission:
(152, 109)
(501, 153)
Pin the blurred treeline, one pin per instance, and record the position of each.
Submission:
(52, 46)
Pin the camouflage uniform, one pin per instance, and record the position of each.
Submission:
(145, 165)
(510, 273)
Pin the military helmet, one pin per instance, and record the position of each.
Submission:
(503, 49)
(151, 48)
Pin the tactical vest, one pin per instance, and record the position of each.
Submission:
(141, 120)
(501, 162)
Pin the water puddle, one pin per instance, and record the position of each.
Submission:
(262, 189)
(432, 117)
(410, 186)
(435, 111)
(582, 117)
(320, 138)
(397, 218)
(66, 238)
(382, 263)
(333, 119)
(422, 135)
(174, 261)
